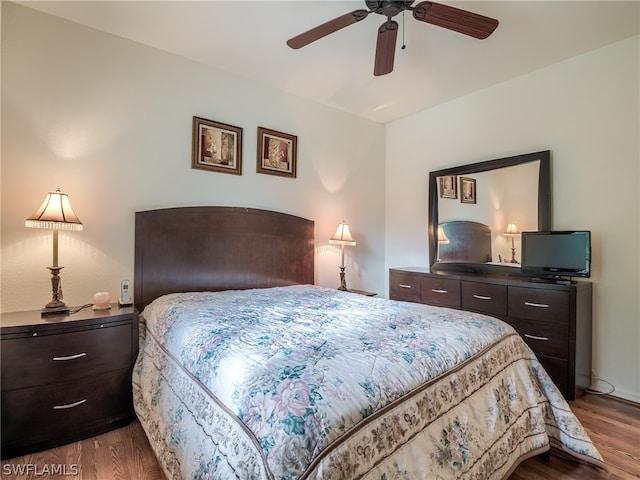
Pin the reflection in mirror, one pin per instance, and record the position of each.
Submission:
(466, 241)
(475, 208)
(503, 196)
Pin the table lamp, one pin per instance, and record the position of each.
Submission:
(512, 231)
(55, 214)
(342, 237)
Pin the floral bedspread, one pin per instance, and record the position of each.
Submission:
(303, 382)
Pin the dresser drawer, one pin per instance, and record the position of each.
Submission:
(558, 371)
(441, 291)
(65, 411)
(544, 338)
(404, 286)
(484, 297)
(539, 304)
(41, 360)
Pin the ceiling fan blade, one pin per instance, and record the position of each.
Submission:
(386, 48)
(326, 28)
(461, 21)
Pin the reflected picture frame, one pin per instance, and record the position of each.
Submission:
(216, 146)
(467, 190)
(277, 153)
(448, 185)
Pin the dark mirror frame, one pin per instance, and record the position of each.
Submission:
(544, 206)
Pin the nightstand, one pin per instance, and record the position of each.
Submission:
(65, 378)
(362, 292)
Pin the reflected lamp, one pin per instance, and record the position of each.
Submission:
(442, 239)
(512, 231)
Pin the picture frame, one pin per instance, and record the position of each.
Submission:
(448, 186)
(217, 146)
(277, 153)
(467, 190)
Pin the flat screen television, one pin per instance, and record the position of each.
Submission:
(553, 256)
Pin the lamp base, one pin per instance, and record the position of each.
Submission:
(55, 310)
(513, 255)
(343, 282)
(56, 305)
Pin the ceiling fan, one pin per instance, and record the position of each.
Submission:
(461, 21)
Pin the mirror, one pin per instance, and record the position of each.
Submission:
(477, 211)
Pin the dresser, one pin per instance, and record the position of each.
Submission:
(554, 320)
(65, 378)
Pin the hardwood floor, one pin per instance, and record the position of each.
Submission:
(125, 454)
(614, 428)
(122, 454)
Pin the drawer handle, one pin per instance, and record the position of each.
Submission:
(402, 285)
(437, 290)
(538, 305)
(69, 405)
(70, 357)
(481, 297)
(535, 337)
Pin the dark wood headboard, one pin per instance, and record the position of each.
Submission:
(468, 242)
(219, 248)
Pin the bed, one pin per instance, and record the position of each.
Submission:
(247, 370)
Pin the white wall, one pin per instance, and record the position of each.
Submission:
(109, 122)
(585, 110)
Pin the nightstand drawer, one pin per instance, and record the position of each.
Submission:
(404, 286)
(544, 338)
(484, 297)
(60, 411)
(539, 304)
(441, 291)
(41, 360)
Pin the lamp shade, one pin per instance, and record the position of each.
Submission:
(512, 230)
(442, 237)
(342, 236)
(55, 213)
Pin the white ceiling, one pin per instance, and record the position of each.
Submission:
(248, 38)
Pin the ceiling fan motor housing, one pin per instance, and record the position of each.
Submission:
(388, 8)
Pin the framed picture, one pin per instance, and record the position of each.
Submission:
(277, 153)
(216, 146)
(448, 186)
(467, 190)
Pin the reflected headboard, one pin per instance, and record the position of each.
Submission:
(219, 248)
(468, 242)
